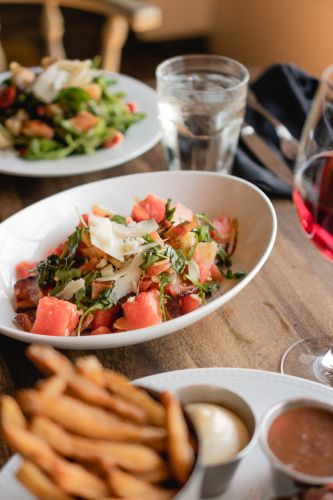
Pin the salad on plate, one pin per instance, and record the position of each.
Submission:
(118, 273)
(66, 107)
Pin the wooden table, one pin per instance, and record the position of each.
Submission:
(290, 298)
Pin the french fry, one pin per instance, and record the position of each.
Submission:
(125, 485)
(90, 367)
(76, 480)
(120, 385)
(52, 362)
(155, 476)
(179, 448)
(38, 483)
(132, 457)
(11, 414)
(53, 386)
(72, 478)
(92, 393)
(88, 420)
(49, 361)
(86, 432)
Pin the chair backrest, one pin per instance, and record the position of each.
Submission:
(120, 16)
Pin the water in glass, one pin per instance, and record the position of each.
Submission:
(201, 114)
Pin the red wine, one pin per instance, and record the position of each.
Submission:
(313, 197)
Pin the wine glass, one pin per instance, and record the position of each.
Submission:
(312, 358)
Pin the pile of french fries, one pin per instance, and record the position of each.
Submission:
(86, 432)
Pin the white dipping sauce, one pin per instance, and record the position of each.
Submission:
(222, 433)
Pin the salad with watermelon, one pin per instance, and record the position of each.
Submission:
(117, 273)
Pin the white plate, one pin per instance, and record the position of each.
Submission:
(261, 390)
(138, 139)
(28, 235)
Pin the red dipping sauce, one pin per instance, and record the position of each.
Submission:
(302, 438)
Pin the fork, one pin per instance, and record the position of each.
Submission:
(287, 142)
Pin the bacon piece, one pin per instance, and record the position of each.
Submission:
(97, 287)
(27, 293)
(26, 320)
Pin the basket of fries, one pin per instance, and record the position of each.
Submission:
(86, 432)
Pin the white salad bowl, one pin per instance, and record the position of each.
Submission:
(28, 235)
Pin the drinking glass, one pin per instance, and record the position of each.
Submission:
(201, 103)
(312, 358)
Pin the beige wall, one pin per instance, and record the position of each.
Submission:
(260, 32)
(183, 19)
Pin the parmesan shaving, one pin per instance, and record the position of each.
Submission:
(193, 270)
(124, 285)
(71, 288)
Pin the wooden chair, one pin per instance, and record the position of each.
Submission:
(120, 16)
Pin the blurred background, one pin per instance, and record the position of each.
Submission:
(134, 36)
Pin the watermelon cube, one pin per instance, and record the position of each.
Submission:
(55, 317)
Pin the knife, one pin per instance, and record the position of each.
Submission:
(265, 154)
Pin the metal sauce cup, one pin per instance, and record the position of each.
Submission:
(288, 481)
(217, 478)
(192, 487)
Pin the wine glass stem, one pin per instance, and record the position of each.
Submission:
(323, 367)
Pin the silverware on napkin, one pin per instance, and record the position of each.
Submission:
(265, 154)
(287, 142)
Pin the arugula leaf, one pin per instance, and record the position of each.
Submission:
(177, 258)
(47, 269)
(74, 98)
(230, 275)
(49, 149)
(104, 81)
(204, 227)
(148, 238)
(148, 258)
(169, 212)
(203, 232)
(68, 274)
(72, 245)
(164, 280)
(96, 62)
(103, 302)
(222, 257)
(119, 219)
(207, 288)
(205, 220)
(64, 276)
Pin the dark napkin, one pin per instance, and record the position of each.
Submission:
(286, 91)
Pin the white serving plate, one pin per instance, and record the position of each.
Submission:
(138, 139)
(28, 235)
(260, 389)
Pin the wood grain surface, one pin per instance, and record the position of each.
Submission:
(290, 298)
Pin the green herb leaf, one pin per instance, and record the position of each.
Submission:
(149, 257)
(103, 302)
(72, 244)
(230, 275)
(119, 219)
(222, 257)
(202, 232)
(96, 62)
(204, 289)
(47, 269)
(177, 258)
(169, 212)
(164, 280)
